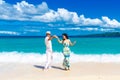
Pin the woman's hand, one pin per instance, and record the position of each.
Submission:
(55, 36)
(74, 42)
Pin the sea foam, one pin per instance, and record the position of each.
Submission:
(21, 57)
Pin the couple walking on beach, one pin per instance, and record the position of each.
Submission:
(66, 50)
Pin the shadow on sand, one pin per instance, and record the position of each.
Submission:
(42, 67)
(38, 66)
(56, 67)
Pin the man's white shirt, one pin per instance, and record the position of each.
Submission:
(48, 43)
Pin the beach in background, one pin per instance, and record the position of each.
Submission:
(78, 71)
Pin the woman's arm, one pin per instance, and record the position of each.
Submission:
(72, 44)
(60, 41)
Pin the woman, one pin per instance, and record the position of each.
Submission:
(66, 50)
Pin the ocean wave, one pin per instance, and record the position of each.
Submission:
(57, 57)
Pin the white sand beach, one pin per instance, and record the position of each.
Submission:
(79, 71)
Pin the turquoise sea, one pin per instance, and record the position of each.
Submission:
(32, 49)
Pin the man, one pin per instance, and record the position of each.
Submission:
(49, 53)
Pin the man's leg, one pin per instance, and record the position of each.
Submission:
(48, 60)
(51, 58)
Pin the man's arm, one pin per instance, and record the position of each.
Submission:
(51, 37)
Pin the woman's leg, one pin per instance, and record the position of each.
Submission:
(66, 64)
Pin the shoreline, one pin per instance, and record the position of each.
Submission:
(80, 70)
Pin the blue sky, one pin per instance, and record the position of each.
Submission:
(90, 8)
(71, 16)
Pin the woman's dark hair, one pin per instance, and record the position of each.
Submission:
(64, 34)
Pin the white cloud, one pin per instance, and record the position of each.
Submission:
(32, 30)
(90, 29)
(89, 21)
(26, 8)
(77, 28)
(9, 32)
(25, 11)
(42, 8)
(60, 15)
(110, 23)
(1, 2)
(22, 10)
(64, 14)
(47, 17)
(97, 29)
(75, 18)
(7, 11)
(105, 30)
(70, 17)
